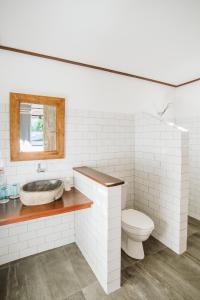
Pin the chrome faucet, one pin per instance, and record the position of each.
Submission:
(39, 169)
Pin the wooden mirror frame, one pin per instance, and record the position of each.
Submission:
(15, 153)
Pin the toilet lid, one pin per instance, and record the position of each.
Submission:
(137, 219)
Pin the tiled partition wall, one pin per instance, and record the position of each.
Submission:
(161, 178)
(98, 231)
(31, 237)
(193, 125)
(96, 139)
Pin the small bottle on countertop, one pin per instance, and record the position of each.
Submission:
(14, 191)
(67, 184)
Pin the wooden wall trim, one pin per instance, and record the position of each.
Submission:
(187, 82)
(67, 61)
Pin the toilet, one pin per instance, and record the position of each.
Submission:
(136, 228)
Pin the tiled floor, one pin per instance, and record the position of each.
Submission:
(63, 274)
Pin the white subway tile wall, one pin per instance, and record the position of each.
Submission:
(97, 139)
(98, 231)
(31, 237)
(193, 125)
(101, 140)
(161, 178)
(148, 154)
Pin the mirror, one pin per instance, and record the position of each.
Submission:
(36, 127)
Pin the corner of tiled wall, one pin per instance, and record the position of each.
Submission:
(193, 126)
(161, 178)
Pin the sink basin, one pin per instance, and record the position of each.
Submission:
(41, 192)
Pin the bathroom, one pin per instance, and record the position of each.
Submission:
(123, 144)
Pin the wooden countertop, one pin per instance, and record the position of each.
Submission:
(14, 211)
(99, 177)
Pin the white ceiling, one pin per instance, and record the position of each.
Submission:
(153, 38)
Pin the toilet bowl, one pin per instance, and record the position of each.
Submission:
(136, 228)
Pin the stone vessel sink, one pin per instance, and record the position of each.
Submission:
(41, 192)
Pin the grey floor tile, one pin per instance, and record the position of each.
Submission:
(126, 260)
(168, 271)
(152, 246)
(192, 229)
(126, 292)
(3, 281)
(193, 246)
(70, 249)
(59, 275)
(26, 281)
(80, 266)
(76, 296)
(63, 273)
(186, 268)
(145, 286)
(95, 292)
(193, 226)
(193, 221)
(180, 263)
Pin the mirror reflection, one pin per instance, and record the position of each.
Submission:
(37, 127)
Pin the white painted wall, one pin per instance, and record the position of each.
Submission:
(187, 101)
(83, 88)
(140, 37)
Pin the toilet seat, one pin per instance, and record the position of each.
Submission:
(135, 220)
